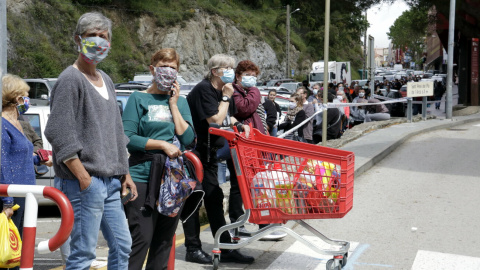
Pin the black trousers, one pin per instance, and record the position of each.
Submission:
(151, 232)
(213, 201)
(235, 209)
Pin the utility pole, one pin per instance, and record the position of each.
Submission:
(451, 32)
(364, 49)
(288, 43)
(326, 72)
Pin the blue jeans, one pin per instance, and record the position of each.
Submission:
(222, 173)
(274, 131)
(97, 207)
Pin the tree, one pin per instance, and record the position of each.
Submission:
(410, 29)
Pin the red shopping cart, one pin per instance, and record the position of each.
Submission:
(282, 180)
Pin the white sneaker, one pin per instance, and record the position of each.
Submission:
(277, 235)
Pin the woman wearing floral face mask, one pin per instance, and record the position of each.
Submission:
(17, 159)
(155, 121)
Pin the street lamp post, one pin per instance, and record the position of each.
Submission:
(287, 68)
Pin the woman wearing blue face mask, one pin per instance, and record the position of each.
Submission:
(247, 96)
(17, 159)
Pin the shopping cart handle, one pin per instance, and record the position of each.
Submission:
(229, 135)
(196, 163)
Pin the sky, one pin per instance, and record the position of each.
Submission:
(381, 17)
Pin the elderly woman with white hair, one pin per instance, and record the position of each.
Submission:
(89, 148)
(211, 102)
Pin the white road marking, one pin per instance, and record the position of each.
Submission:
(298, 254)
(427, 260)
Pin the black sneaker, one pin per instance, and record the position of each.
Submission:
(198, 256)
(236, 257)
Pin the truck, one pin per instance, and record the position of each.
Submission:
(338, 72)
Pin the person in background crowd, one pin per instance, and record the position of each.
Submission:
(334, 117)
(295, 116)
(272, 94)
(309, 111)
(157, 123)
(270, 115)
(37, 142)
(438, 92)
(358, 112)
(315, 89)
(376, 112)
(17, 157)
(211, 101)
(89, 148)
(346, 110)
(356, 90)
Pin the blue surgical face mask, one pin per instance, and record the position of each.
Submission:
(292, 105)
(315, 91)
(228, 76)
(23, 108)
(249, 81)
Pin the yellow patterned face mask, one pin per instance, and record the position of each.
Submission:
(94, 49)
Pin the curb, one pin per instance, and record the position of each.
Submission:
(396, 143)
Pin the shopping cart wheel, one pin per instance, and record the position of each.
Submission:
(344, 260)
(216, 262)
(331, 265)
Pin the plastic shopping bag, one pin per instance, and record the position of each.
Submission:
(10, 242)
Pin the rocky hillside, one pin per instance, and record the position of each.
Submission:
(40, 42)
(205, 35)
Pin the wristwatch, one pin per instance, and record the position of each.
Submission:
(226, 98)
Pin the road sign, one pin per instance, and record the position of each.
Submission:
(420, 89)
(293, 72)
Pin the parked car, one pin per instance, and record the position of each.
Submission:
(403, 90)
(291, 86)
(122, 97)
(146, 79)
(282, 102)
(40, 90)
(277, 82)
(186, 88)
(400, 74)
(131, 86)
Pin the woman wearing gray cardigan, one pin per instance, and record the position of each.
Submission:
(89, 148)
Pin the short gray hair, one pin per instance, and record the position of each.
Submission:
(93, 20)
(219, 60)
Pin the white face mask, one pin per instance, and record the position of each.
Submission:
(340, 97)
(361, 94)
(292, 105)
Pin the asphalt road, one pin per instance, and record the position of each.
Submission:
(422, 197)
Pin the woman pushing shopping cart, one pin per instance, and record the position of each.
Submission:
(282, 180)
